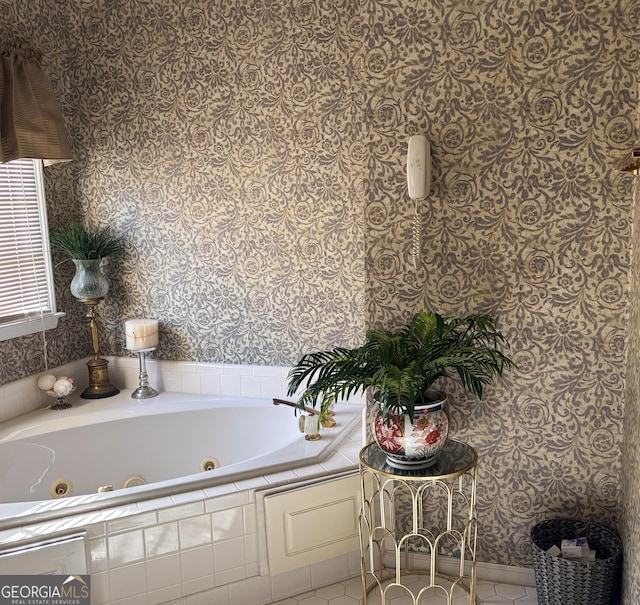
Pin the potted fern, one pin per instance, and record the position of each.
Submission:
(87, 247)
(400, 368)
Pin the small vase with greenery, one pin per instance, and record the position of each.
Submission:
(401, 368)
(81, 243)
(87, 247)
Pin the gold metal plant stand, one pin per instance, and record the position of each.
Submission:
(99, 385)
(419, 523)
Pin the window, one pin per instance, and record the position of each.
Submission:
(27, 300)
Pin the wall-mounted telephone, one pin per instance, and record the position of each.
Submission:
(418, 185)
(418, 167)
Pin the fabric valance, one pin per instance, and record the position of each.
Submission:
(31, 124)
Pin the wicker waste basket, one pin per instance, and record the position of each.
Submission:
(568, 582)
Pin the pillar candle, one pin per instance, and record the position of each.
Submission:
(141, 334)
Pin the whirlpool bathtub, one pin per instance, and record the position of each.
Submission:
(112, 451)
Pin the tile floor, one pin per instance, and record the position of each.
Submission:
(349, 592)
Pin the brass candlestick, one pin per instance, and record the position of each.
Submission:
(99, 385)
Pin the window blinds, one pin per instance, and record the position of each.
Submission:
(25, 268)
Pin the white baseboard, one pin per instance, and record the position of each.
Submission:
(507, 574)
(490, 572)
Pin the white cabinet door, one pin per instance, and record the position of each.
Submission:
(312, 524)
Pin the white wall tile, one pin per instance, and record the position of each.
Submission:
(164, 572)
(252, 569)
(126, 360)
(291, 583)
(354, 562)
(100, 588)
(253, 591)
(185, 497)
(267, 371)
(217, 491)
(165, 595)
(230, 576)
(211, 384)
(309, 471)
(229, 554)
(251, 484)
(336, 462)
(133, 522)
(251, 549)
(330, 571)
(226, 501)
(18, 386)
(250, 386)
(228, 523)
(181, 512)
(272, 387)
(282, 477)
(199, 584)
(161, 539)
(197, 563)
(131, 378)
(11, 406)
(210, 368)
(186, 367)
(140, 599)
(95, 530)
(128, 581)
(155, 504)
(98, 555)
(230, 385)
(195, 531)
(191, 384)
(168, 380)
(125, 548)
(250, 521)
(237, 370)
(217, 596)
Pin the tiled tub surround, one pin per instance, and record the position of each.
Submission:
(163, 441)
(200, 546)
(22, 396)
(205, 543)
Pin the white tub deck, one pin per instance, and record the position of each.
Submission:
(336, 451)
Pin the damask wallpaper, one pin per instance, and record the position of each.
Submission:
(528, 220)
(251, 153)
(630, 479)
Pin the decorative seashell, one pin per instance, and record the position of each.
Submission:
(62, 387)
(46, 382)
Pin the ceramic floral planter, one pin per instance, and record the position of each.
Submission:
(413, 445)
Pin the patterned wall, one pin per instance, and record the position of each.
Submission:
(630, 479)
(528, 220)
(251, 152)
(225, 143)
